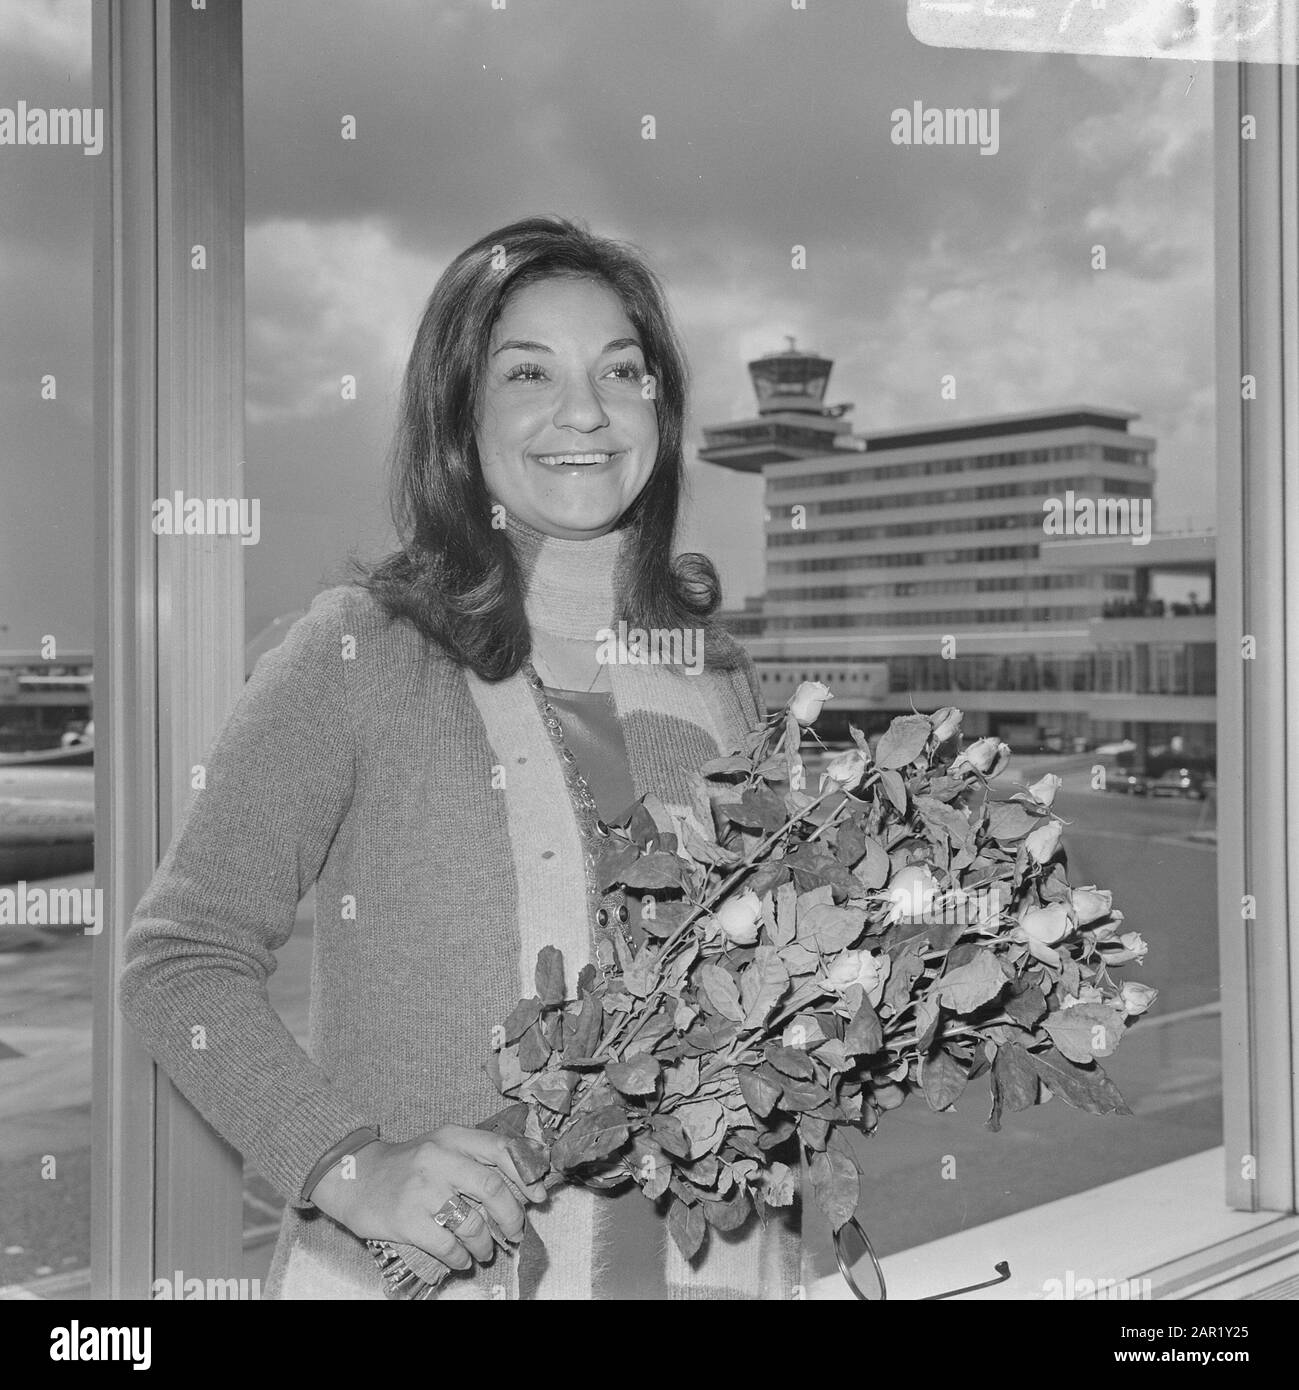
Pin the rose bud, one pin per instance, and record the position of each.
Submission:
(1041, 927)
(859, 968)
(985, 755)
(911, 891)
(1090, 903)
(847, 769)
(807, 701)
(1136, 998)
(1102, 931)
(740, 918)
(947, 723)
(1043, 791)
(1133, 947)
(1044, 841)
(1047, 924)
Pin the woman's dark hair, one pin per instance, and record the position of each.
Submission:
(456, 576)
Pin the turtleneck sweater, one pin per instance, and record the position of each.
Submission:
(430, 810)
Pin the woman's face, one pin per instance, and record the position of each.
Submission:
(565, 437)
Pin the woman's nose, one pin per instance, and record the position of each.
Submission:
(580, 407)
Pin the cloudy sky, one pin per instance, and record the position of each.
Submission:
(773, 129)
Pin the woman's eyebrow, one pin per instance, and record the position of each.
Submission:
(522, 344)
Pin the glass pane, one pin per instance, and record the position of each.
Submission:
(47, 898)
(907, 352)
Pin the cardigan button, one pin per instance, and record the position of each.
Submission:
(602, 917)
(601, 828)
(623, 915)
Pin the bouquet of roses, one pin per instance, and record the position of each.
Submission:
(812, 959)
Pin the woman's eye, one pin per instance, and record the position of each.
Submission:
(627, 371)
(525, 371)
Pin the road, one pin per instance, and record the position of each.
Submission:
(1168, 1067)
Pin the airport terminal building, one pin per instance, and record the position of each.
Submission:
(922, 565)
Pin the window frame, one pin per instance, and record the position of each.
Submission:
(166, 1191)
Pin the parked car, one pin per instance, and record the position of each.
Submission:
(1179, 781)
(1124, 779)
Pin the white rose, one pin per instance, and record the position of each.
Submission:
(807, 701)
(847, 769)
(1090, 903)
(859, 968)
(1041, 927)
(1136, 998)
(740, 918)
(948, 725)
(1044, 841)
(985, 755)
(1132, 946)
(1044, 789)
(911, 892)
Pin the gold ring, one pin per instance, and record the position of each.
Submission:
(452, 1214)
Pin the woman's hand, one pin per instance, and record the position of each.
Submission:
(397, 1188)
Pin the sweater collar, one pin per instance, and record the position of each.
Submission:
(569, 586)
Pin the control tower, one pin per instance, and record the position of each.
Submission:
(792, 421)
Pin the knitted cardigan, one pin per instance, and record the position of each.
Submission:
(429, 808)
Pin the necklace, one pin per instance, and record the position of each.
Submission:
(610, 912)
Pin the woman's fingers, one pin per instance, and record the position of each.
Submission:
(472, 1233)
(476, 1179)
(439, 1243)
(494, 1149)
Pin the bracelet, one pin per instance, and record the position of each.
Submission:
(358, 1139)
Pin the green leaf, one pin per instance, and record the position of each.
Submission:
(657, 869)
(786, 910)
(1085, 1088)
(1026, 1004)
(591, 1138)
(582, 1036)
(1014, 1083)
(728, 766)
(532, 1159)
(1007, 821)
(906, 969)
(550, 975)
(762, 985)
(554, 1090)
(941, 819)
(1085, 1031)
(534, 1050)
(704, 1122)
(875, 868)
(865, 1034)
(758, 809)
(895, 789)
(830, 929)
(903, 741)
(687, 1228)
(849, 843)
(671, 1134)
(524, 1014)
(721, 991)
(836, 1182)
(637, 1077)
(792, 1061)
(969, 986)
(759, 1092)
(682, 1078)
(942, 1078)
(730, 1213)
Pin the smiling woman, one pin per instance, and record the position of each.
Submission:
(438, 749)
